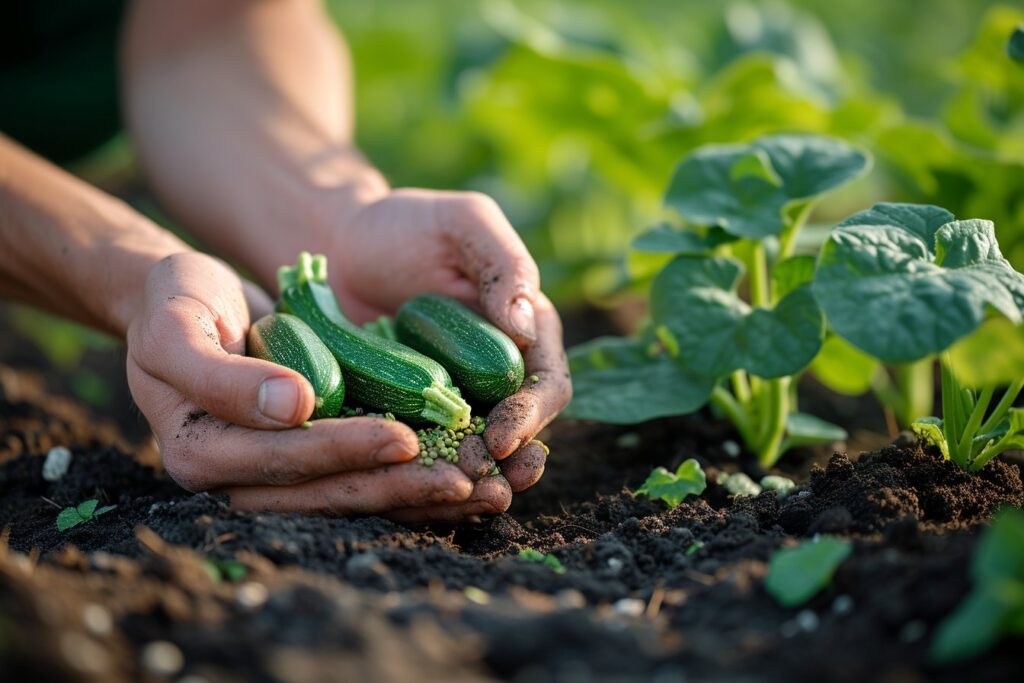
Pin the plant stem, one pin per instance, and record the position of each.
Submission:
(787, 238)
(760, 294)
(773, 428)
(740, 387)
(736, 414)
(974, 421)
(1004, 405)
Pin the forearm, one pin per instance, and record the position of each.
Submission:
(69, 248)
(242, 117)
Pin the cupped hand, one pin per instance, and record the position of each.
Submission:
(460, 244)
(226, 423)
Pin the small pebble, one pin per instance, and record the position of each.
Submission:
(83, 653)
(570, 598)
(731, 448)
(616, 564)
(843, 604)
(251, 595)
(807, 620)
(162, 658)
(477, 595)
(629, 607)
(773, 482)
(740, 484)
(912, 631)
(58, 460)
(97, 619)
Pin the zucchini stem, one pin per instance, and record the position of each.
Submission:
(445, 406)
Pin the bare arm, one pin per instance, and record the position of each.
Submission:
(69, 248)
(242, 115)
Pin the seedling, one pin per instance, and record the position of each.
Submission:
(733, 317)
(546, 559)
(903, 282)
(995, 607)
(83, 512)
(797, 574)
(225, 570)
(688, 479)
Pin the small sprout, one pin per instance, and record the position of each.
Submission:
(688, 479)
(797, 574)
(548, 560)
(494, 471)
(694, 547)
(307, 424)
(773, 482)
(738, 484)
(231, 571)
(81, 513)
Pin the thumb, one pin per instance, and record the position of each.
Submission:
(181, 345)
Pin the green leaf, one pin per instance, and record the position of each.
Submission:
(804, 429)
(688, 479)
(104, 510)
(900, 286)
(744, 188)
(548, 560)
(992, 355)
(1015, 45)
(625, 381)
(68, 518)
(795, 575)
(929, 430)
(843, 368)
(695, 301)
(995, 607)
(666, 239)
(87, 508)
(792, 273)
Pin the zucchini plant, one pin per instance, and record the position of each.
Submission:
(903, 283)
(733, 317)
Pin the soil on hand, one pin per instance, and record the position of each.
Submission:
(170, 584)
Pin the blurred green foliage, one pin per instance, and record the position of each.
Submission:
(573, 113)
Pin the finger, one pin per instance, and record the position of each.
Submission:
(546, 391)
(474, 460)
(494, 256)
(181, 345)
(491, 496)
(525, 467)
(209, 454)
(361, 493)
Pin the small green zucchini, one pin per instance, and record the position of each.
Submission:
(379, 373)
(284, 339)
(482, 359)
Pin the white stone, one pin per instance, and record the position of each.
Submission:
(58, 460)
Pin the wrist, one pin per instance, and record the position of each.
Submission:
(307, 207)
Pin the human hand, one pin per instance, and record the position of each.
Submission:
(223, 421)
(407, 242)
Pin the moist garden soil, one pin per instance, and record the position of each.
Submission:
(175, 586)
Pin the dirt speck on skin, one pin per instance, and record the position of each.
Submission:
(371, 599)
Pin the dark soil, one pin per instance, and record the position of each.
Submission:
(648, 593)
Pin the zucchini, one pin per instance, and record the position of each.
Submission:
(379, 373)
(284, 339)
(480, 357)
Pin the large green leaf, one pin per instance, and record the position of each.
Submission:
(899, 283)
(744, 188)
(992, 355)
(666, 239)
(624, 381)
(712, 331)
(804, 429)
(795, 575)
(843, 368)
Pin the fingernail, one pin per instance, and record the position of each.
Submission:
(392, 452)
(278, 399)
(522, 318)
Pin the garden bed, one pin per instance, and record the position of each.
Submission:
(648, 592)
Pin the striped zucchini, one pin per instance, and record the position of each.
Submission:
(379, 373)
(284, 339)
(481, 358)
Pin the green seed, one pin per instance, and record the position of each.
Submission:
(534, 379)
(307, 424)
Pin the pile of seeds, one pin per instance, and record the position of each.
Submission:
(440, 443)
